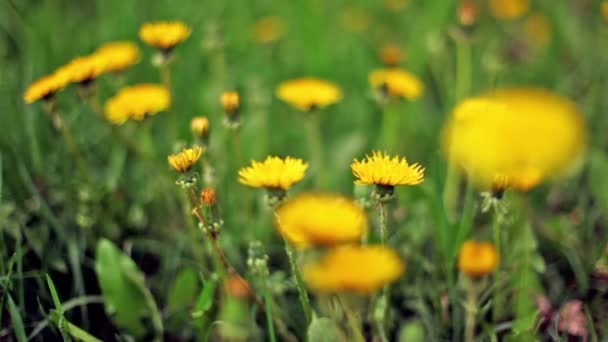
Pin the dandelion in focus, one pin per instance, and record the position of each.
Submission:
(164, 35)
(509, 9)
(268, 30)
(397, 83)
(308, 94)
(137, 102)
(358, 269)
(321, 219)
(183, 161)
(522, 135)
(118, 56)
(276, 175)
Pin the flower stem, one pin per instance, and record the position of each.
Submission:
(382, 301)
(302, 293)
(60, 123)
(497, 301)
(471, 309)
(383, 224)
(354, 322)
(315, 142)
(390, 128)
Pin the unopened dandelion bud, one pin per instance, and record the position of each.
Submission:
(231, 102)
(237, 287)
(468, 13)
(208, 197)
(200, 128)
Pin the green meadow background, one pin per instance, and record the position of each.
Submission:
(53, 220)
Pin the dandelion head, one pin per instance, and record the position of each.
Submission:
(231, 102)
(118, 56)
(183, 161)
(273, 173)
(164, 35)
(321, 219)
(208, 197)
(477, 259)
(83, 70)
(307, 94)
(357, 269)
(396, 82)
(45, 88)
(200, 126)
(382, 169)
(137, 102)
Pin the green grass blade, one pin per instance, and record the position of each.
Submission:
(16, 320)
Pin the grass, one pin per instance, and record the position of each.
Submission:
(55, 221)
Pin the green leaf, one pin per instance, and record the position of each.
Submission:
(183, 291)
(16, 320)
(127, 300)
(204, 301)
(412, 332)
(74, 330)
(324, 329)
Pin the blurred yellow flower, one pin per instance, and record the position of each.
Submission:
(468, 11)
(164, 35)
(273, 173)
(268, 30)
(392, 54)
(137, 102)
(200, 126)
(355, 19)
(381, 169)
(309, 93)
(397, 82)
(538, 29)
(183, 161)
(509, 9)
(523, 135)
(321, 219)
(230, 101)
(358, 269)
(83, 69)
(117, 56)
(605, 9)
(45, 87)
(477, 259)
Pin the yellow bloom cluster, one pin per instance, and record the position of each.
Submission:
(321, 219)
(477, 259)
(183, 161)
(381, 169)
(359, 269)
(164, 35)
(273, 173)
(397, 83)
(137, 102)
(523, 135)
(309, 93)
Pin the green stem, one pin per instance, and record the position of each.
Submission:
(315, 142)
(354, 322)
(497, 302)
(267, 304)
(382, 301)
(303, 294)
(463, 69)
(471, 309)
(383, 224)
(71, 144)
(390, 128)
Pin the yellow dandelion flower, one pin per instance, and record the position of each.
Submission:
(309, 93)
(525, 135)
(477, 259)
(183, 161)
(509, 9)
(45, 87)
(392, 54)
(164, 35)
(358, 269)
(397, 82)
(321, 219)
(137, 102)
(83, 69)
(273, 173)
(231, 102)
(268, 30)
(118, 56)
(538, 29)
(381, 169)
(200, 126)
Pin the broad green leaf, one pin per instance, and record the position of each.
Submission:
(323, 329)
(205, 298)
(127, 300)
(183, 291)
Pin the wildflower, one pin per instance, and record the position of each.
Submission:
(273, 173)
(604, 9)
(200, 127)
(396, 82)
(509, 9)
(230, 102)
(477, 259)
(321, 219)
(354, 269)
(183, 161)
(468, 13)
(307, 94)
(392, 54)
(208, 197)
(538, 29)
(83, 70)
(45, 87)
(524, 135)
(137, 102)
(164, 35)
(118, 56)
(268, 30)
